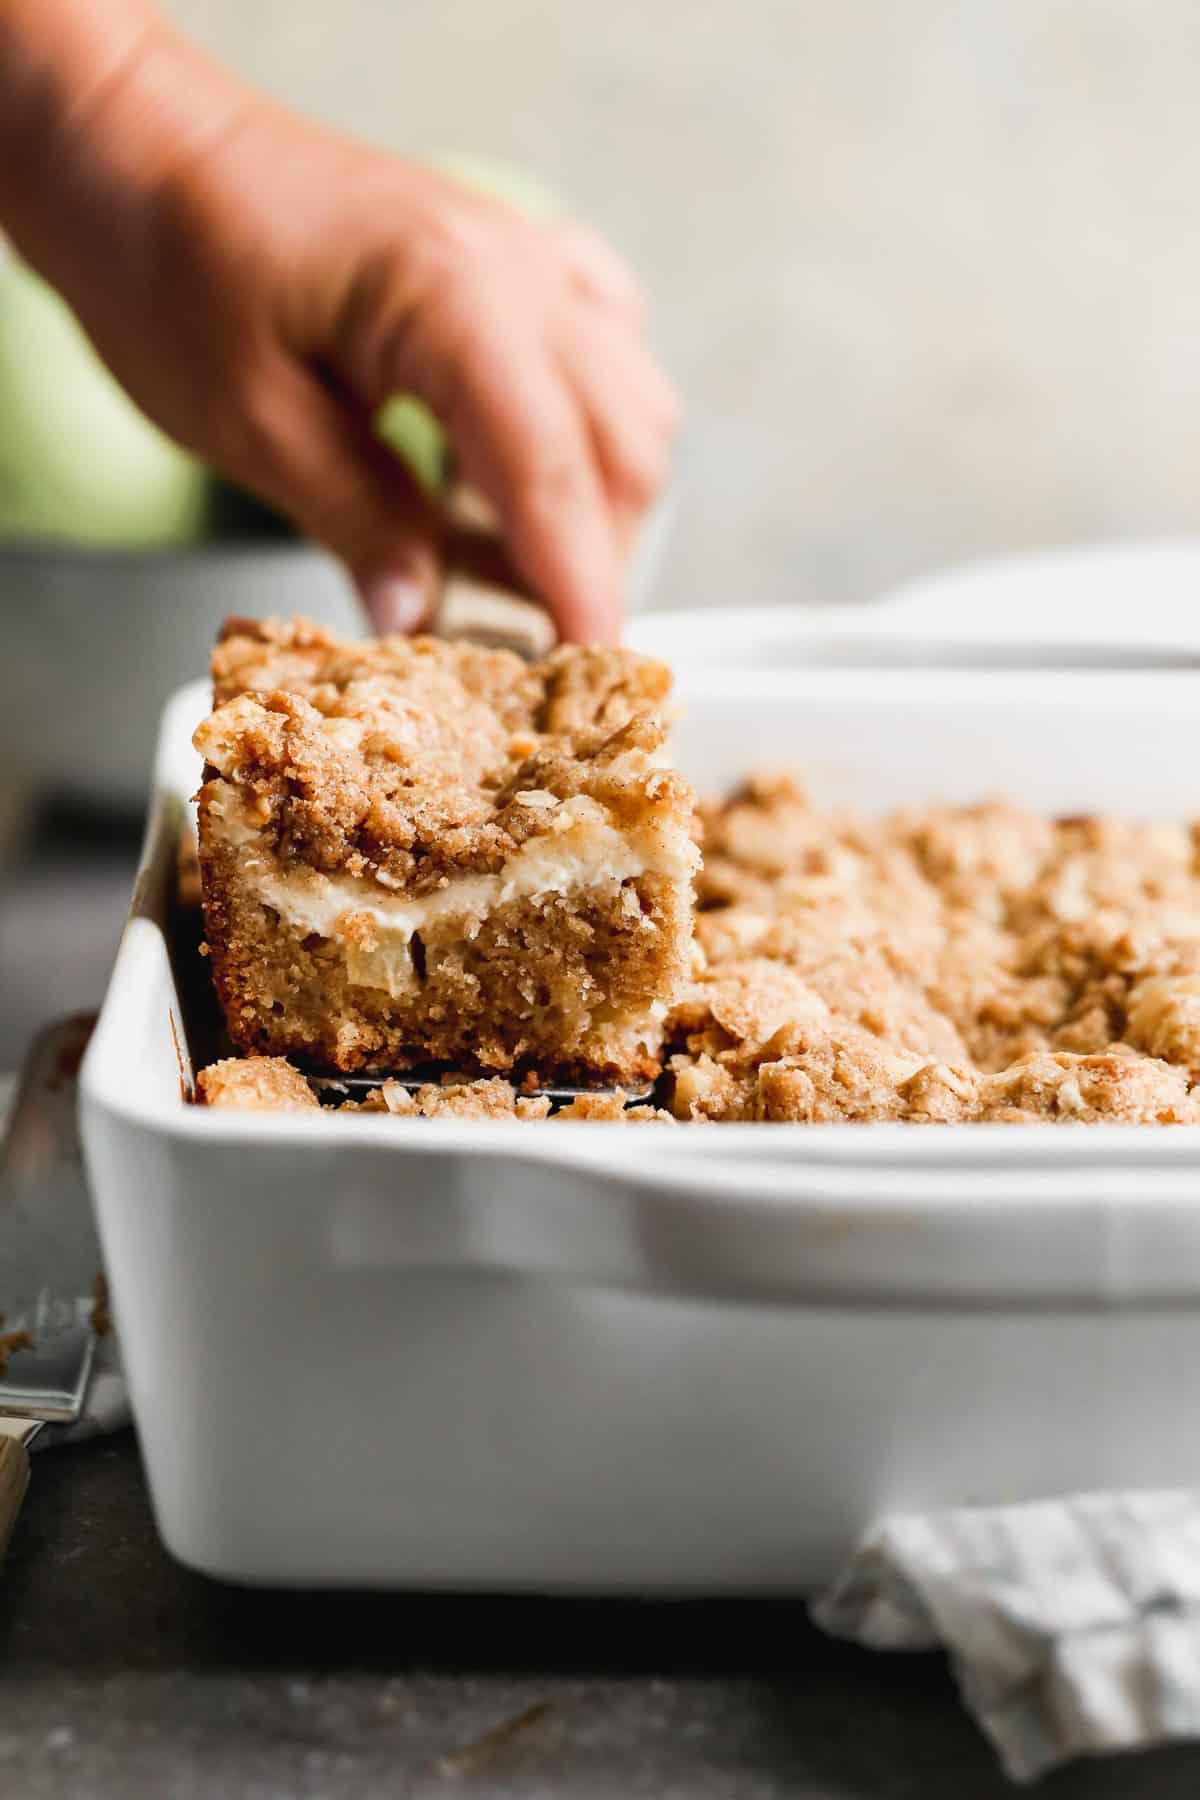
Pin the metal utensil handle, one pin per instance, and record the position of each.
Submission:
(14, 1479)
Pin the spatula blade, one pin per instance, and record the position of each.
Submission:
(49, 1256)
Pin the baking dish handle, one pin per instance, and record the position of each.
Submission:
(715, 1228)
(509, 1211)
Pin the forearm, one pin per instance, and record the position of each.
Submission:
(99, 99)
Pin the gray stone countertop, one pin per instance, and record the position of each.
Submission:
(125, 1677)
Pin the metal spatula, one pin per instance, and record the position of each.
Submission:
(49, 1264)
(332, 1089)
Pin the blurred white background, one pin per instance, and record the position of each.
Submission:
(927, 272)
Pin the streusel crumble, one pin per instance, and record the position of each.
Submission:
(414, 851)
(273, 1084)
(940, 965)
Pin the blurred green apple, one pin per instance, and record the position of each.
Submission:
(405, 423)
(501, 181)
(412, 432)
(78, 462)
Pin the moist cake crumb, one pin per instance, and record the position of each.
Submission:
(414, 851)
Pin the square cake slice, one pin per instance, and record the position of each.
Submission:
(421, 852)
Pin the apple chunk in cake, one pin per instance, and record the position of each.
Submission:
(415, 851)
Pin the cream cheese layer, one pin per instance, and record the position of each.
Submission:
(581, 850)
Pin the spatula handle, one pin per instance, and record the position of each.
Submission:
(14, 1479)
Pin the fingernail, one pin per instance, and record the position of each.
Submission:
(395, 603)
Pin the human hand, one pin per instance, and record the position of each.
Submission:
(261, 285)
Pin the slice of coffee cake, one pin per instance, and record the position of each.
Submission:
(415, 851)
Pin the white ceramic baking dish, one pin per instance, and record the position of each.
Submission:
(431, 1354)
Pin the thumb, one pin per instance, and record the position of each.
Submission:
(319, 461)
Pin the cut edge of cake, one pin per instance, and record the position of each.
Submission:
(561, 950)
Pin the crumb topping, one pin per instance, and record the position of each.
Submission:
(411, 760)
(939, 965)
(255, 1084)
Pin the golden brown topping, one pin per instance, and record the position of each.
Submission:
(406, 759)
(255, 1084)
